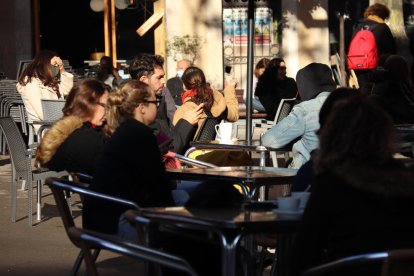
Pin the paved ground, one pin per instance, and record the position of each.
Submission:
(44, 249)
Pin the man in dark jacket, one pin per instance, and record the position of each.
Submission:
(149, 69)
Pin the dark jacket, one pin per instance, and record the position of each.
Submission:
(353, 209)
(180, 134)
(271, 91)
(130, 168)
(71, 145)
(395, 96)
(175, 85)
(382, 33)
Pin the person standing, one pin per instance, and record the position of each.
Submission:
(374, 20)
(175, 85)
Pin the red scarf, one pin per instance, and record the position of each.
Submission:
(188, 93)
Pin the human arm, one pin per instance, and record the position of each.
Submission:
(285, 131)
(66, 78)
(231, 101)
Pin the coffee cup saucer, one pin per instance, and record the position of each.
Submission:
(229, 142)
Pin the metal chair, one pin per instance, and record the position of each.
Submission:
(285, 106)
(207, 130)
(396, 262)
(52, 109)
(88, 240)
(21, 159)
(59, 189)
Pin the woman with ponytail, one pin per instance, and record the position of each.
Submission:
(130, 166)
(198, 91)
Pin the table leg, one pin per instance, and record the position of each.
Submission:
(229, 248)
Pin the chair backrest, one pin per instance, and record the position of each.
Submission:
(59, 187)
(90, 240)
(346, 263)
(22, 66)
(52, 109)
(285, 106)
(207, 130)
(15, 142)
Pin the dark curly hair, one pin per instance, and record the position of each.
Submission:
(194, 79)
(377, 9)
(357, 131)
(144, 65)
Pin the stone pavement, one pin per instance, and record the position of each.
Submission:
(44, 249)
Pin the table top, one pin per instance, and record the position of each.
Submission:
(254, 174)
(236, 145)
(222, 218)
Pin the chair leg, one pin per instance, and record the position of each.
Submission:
(14, 199)
(79, 260)
(77, 264)
(39, 200)
(30, 201)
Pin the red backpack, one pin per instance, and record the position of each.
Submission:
(363, 53)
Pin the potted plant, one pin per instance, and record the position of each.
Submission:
(186, 46)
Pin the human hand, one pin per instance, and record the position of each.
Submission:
(56, 61)
(230, 82)
(193, 116)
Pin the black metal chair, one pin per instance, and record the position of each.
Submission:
(346, 263)
(89, 240)
(21, 159)
(59, 189)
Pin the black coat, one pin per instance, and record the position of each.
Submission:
(271, 91)
(80, 150)
(353, 210)
(394, 96)
(130, 168)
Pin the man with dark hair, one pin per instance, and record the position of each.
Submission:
(149, 69)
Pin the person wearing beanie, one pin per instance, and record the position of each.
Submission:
(314, 83)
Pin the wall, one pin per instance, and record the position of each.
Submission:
(16, 38)
(202, 18)
(305, 37)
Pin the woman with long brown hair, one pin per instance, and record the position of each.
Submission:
(44, 78)
(198, 91)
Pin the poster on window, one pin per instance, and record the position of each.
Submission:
(235, 26)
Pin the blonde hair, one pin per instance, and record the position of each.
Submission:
(122, 103)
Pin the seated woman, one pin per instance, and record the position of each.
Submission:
(44, 78)
(273, 86)
(130, 166)
(197, 91)
(107, 73)
(75, 141)
(362, 199)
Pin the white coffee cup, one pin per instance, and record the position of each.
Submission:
(224, 131)
(288, 203)
(303, 197)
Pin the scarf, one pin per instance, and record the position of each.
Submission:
(188, 93)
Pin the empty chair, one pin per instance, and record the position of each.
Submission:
(52, 109)
(285, 106)
(88, 240)
(59, 189)
(21, 159)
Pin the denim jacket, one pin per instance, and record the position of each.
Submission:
(303, 121)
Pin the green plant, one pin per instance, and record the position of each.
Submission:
(185, 47)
